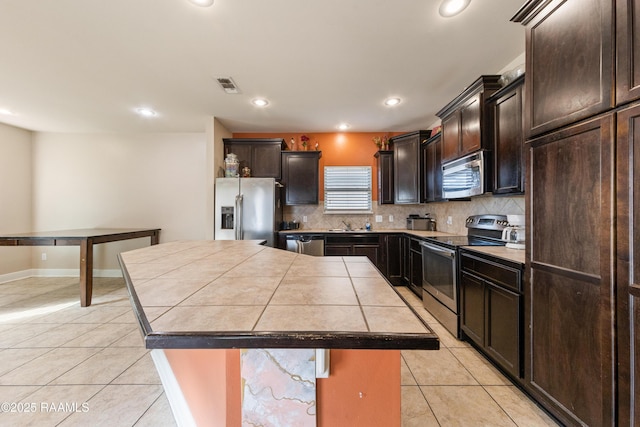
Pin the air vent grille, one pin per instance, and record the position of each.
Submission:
(227, 84)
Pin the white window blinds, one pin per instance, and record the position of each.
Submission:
(347, 189)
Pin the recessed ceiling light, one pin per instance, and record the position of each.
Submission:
(260, 102)
(7, 112)
(146, 112)
(449, 8)
(391, 102)
(203, 3)
(343, 126)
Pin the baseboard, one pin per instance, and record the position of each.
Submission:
(55, 272)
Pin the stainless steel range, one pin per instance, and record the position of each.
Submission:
(440, 267)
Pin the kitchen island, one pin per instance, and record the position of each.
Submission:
(199, 302)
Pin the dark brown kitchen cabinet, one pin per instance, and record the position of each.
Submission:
(394, 258)
(628, 51)
(432, 177)
(491, 309)
(354, 244)
(505, 107)
(627, 266)
(569, 60)
(415, 266)
(571, 285)
(261, 155)
(300, 177)
(465, 123)
(407, 166)
(385, 177)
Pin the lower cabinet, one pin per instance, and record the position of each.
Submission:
(491, 309)
(394, 258)
(355, 245)
(415, 267)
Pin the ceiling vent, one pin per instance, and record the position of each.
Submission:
(227, 84)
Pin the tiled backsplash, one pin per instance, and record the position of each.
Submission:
(457, 210)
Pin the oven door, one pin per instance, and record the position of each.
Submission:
(439, 276)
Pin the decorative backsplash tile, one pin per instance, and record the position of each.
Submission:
(457, 210)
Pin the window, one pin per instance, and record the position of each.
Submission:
(347, 189)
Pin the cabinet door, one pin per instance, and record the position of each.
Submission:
(370, 251)
(394, 258)
(406, 169)
(338, 250)
(472, 307)
(569, 62)
(243, 151)
(433, 169)
(470, 125)
(569, 292)
(385, 177)
(508, 142)
(406, 259)
(503, 338)
(266, 161)
(300, 177)
(628, 267)
(451, 136)
(416, 271)
(628, 51)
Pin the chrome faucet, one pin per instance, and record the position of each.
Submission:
(347, 225)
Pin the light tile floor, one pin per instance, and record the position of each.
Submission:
(63, 365)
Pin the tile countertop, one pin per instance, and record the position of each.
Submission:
(240, 294)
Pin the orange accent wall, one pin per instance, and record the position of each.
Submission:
(210, 383)
(338, 149)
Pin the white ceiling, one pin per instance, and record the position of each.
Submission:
(86, 65)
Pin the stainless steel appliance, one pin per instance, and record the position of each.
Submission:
(417, 222)
(466, 177)
(247, 209)
(440, 266)
(306, 244)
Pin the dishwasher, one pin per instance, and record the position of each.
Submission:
(308, 244)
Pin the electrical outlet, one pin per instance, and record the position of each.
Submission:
(378, 218)
(304, 218)
(44, 256)
(390, 218)
(449, 220)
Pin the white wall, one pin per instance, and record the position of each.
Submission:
(117, 180)
(15, 196)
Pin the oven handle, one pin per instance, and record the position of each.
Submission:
(438, 249)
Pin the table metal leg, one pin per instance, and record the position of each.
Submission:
(86, 271)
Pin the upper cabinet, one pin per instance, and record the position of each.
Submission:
(384, 160)
(432, 178)
(261, 155)
(570, 62)
(407, 166)
(300, 173)
(465, 126)
(505, 108)
(627, 51)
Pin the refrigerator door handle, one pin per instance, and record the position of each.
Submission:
(239, 230)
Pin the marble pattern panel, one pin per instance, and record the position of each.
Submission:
(279, 387)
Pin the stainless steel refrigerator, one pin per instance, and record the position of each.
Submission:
(247, 209)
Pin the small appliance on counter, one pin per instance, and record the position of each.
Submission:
(417, 222)
(513, 233)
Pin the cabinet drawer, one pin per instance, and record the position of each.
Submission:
(357, 239)
(497, 273)
(415, 245)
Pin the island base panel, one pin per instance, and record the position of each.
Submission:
(363, 388)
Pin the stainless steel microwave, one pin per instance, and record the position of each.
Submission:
(465, 177)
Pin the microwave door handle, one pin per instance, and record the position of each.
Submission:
(239, 230)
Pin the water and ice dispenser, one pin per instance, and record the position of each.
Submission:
(227, 217)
